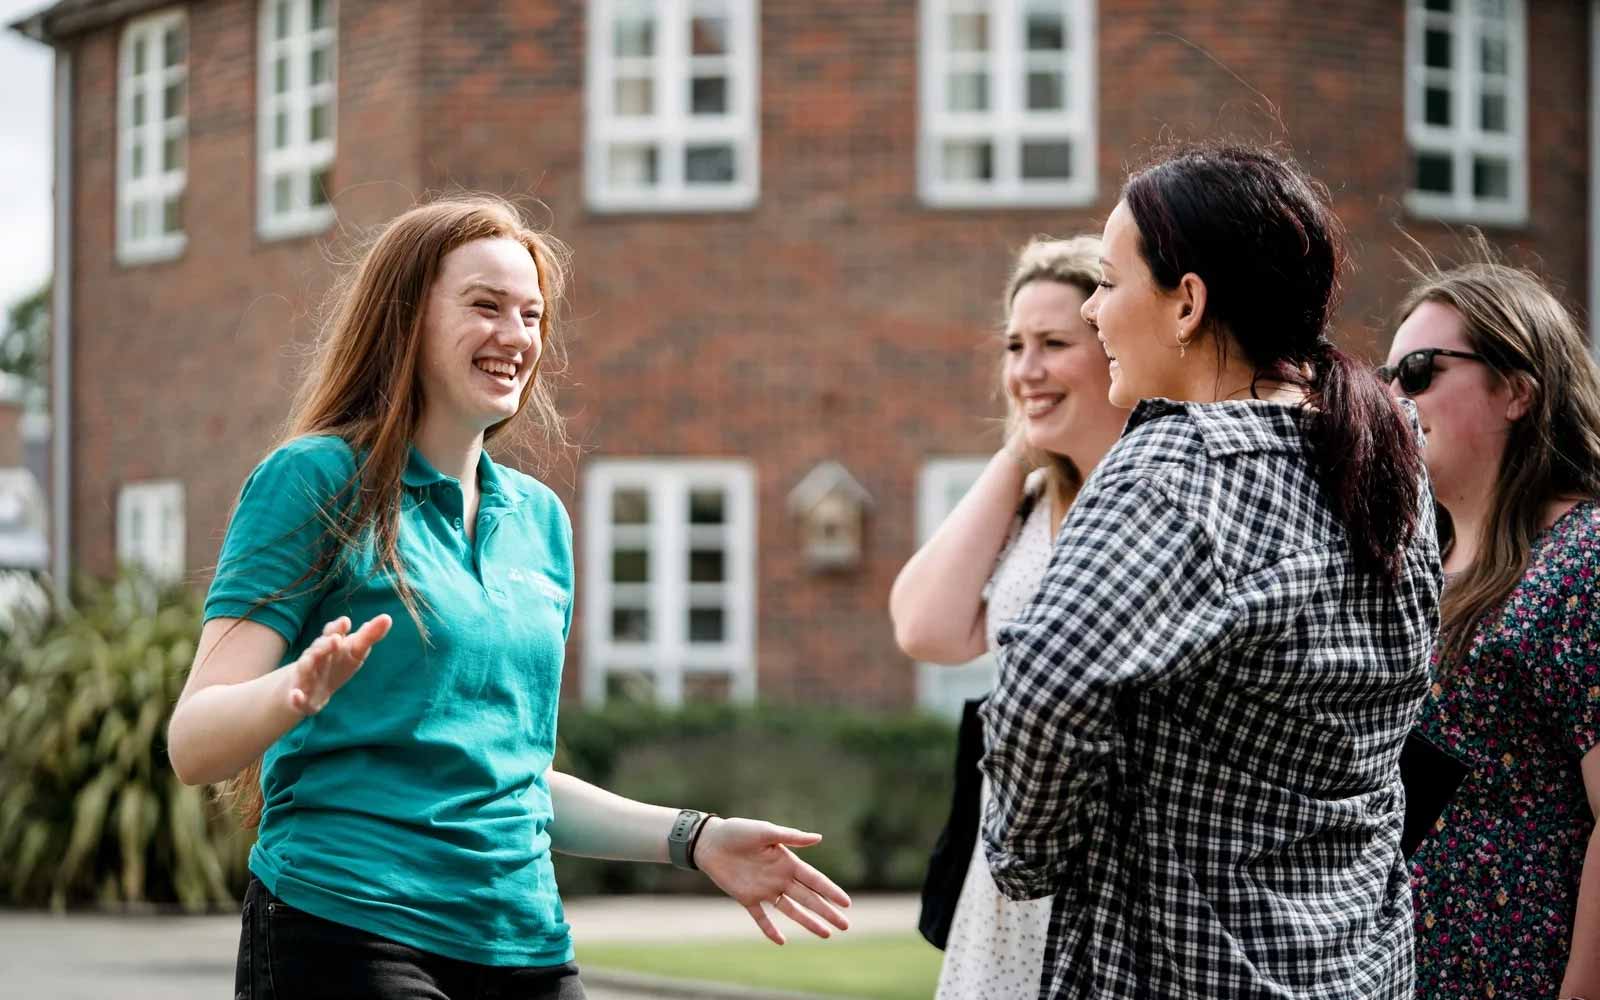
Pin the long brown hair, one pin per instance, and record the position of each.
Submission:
(1553, 451)
(1074, 262)
(363, 386)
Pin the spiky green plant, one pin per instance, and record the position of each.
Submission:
(90, 811)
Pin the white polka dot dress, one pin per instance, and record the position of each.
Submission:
(996, 946)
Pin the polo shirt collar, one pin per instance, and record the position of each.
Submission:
(493, 487)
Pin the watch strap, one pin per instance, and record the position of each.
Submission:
(679, 838)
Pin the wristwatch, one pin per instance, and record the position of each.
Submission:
(682, 836)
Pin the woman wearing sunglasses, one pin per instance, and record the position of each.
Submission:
(1507, 883)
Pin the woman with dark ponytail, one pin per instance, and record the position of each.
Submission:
(1194, 743)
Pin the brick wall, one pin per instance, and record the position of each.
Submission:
(839, 318)
(184, 368)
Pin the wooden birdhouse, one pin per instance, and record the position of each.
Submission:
(830, 506)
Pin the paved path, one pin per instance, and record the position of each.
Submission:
(82, 957)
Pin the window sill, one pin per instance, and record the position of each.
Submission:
(1432, 208)
(152, 252)
(310, 223)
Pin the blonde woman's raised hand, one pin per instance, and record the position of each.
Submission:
(752, 862)
(330, 661)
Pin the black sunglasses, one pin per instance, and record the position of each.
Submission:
(1415, 370)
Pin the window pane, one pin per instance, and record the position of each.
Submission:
(321, 64)
(172, 101)
(138, 108)
(320, 183)
(1493, 10)
(635, 96)
(707, 566)
(282, 194)
(630, 686)
(630, 507)
(635, 35)
(708, 164)
(1434, 173)
(280, 75)
(140, 224)
(319, 14)
(1492, 55)
(630, 624)
(969, 91)
(172, 222)
(136, 160)
(1047, 31)
(280, 19)
(706, 625)
(630, 566)
(1494, 114)
(969, 32)
(280, 130)
(708, 36)
(708, 95)
(966, 160)
(633, 165)
(707, 688)
(1491, 178)
(172, 153)
(1046, 160)
(1436, 48)
(1436, 106)
(706, 507)
(138, 55)
(172, 46)
(1046, 92)
(319, 121)
(1444, 6)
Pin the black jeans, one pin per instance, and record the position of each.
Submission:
(287, 954)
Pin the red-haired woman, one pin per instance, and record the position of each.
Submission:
(384, 635)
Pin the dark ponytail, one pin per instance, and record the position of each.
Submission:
(1369, 458)
(1261, 235)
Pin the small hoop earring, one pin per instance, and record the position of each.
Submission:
(1183, 347)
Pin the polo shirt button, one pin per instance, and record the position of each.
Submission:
(458, 524)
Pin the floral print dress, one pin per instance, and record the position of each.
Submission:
(1495, 883)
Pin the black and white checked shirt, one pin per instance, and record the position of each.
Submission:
(1195, 739)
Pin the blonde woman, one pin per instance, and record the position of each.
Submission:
(985, 561)
(1507, 882)
(382, 650)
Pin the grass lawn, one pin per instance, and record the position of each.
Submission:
(882, 966)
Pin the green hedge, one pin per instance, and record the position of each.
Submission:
(876, 786)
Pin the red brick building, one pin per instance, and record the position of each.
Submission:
(791, 223)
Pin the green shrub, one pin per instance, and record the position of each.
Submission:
(90, 810)
(876, 786)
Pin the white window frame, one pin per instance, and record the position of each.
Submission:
(148, 194)
(942, 689)
(1007, 123)
(150, 528)
(301, 159)
(671, 128)
(668, 656)
(1464, 139)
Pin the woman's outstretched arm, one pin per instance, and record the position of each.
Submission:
(748, 859)
(234, 704)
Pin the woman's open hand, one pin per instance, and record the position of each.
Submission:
(330, 661)
(752, 862)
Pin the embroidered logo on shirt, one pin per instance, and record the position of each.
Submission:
(541, 583)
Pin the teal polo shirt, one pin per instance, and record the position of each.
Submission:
(415, 805)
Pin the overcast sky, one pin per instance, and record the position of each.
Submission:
(25, 116)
